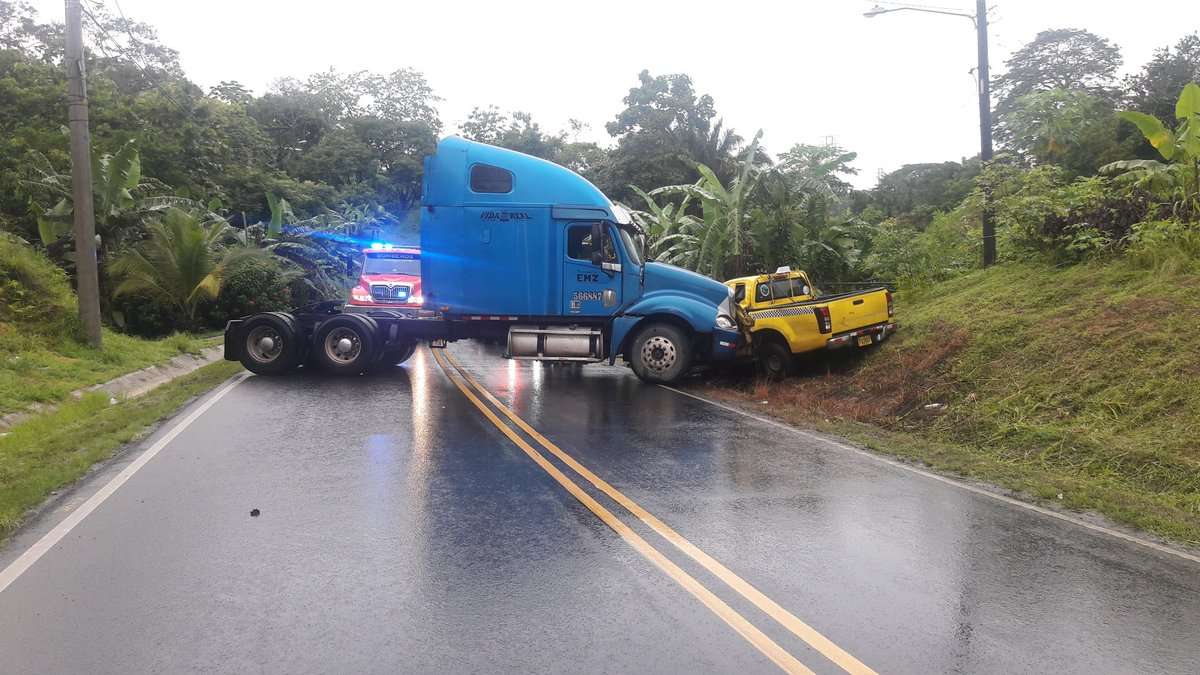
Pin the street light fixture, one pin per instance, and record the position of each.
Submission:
(985, 105)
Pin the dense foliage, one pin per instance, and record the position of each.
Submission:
(301, 175)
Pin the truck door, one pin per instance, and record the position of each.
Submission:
(591, 271)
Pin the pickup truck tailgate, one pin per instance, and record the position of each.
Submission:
(858, 310)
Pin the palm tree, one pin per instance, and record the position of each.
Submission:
(181, 262)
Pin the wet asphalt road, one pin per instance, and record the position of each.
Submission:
(402, 531)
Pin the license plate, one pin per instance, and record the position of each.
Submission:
(864, 340)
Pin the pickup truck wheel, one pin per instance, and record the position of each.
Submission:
(345, 344)
(270, 345)
(775, 360)
(661, 353)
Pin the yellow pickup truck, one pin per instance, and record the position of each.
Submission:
(789, 317)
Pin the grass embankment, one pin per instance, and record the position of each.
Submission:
(44, 369)
(1080, 386)
(41, 359)
(56, 448)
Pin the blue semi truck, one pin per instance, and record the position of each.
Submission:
(520, 250)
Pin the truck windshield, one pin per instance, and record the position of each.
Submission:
(632, 248)
(392, 263)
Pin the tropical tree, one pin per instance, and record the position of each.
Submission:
(1073, 129)
(181, 262)
(1065, 58)
(719, 242)
(802, 220)
(1155, 89)
(663, 133)
(1178, 178)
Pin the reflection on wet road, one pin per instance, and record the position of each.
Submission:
(402, 528)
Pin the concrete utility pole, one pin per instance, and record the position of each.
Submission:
(985, 105)
(985, 130)
(87, 276)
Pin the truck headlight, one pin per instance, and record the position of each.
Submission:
(725, 313)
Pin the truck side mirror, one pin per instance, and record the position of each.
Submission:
(597, 244)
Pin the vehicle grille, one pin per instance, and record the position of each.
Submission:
(398, 293)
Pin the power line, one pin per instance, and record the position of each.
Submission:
(915, 6)
(146, 71)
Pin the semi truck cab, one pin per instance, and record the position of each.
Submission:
(508, 235)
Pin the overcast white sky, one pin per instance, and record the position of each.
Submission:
(896, 88)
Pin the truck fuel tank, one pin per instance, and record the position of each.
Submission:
(555, 343)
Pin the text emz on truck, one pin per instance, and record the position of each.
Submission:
(520, 250)
(790, 318)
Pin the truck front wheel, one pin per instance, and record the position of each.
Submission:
(661, 353)
(345, 344)
(775, 360)
(395, 356)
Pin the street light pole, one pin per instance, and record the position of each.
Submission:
(979, 18)
(87, 277)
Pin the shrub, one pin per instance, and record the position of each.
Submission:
(250, 287)
(34, 292)
(1168, 246)
(947, 247)
(145, 315)
(1044, 212)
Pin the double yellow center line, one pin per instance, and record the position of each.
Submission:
(473, 390)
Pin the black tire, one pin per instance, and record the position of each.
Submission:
(395, 356)
(301, 338)
(661, 353)
(349, 358)
(270, 344)
(775, 360)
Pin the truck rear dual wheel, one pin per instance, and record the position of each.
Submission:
(271, 344)
(661, 353)
(345, 344)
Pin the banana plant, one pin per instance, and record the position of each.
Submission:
(668, 228)
(719, 241)
(122, 197)
(1180, 147)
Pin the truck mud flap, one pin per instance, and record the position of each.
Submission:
(233, 340)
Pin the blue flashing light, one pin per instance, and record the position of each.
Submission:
(376, 246)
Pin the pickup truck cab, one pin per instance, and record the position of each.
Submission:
(790, 317)
(389, 277)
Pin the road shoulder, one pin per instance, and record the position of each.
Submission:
(1142, 521)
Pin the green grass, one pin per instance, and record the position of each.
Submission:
(1082, 382)
(36, 368)
(56, 448)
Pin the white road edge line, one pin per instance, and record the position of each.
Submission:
(48, 540)
(949, 481)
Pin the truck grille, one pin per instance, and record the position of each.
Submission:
(390, 292)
